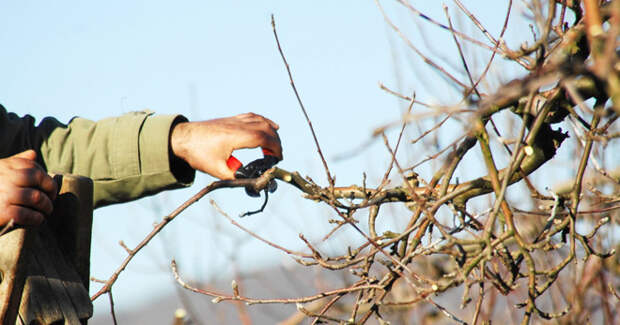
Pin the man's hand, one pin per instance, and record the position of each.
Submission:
(207, 145)
(26, 190)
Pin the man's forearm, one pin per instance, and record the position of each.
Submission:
(127, 157)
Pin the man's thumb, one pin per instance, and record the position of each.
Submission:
(28, 154)
(224, 172)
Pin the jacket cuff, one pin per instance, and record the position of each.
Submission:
(156, 158)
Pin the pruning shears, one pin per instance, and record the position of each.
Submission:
(254, 169)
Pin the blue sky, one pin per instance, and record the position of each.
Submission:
(208, 59)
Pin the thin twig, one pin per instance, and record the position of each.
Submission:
(301, 105)
(167, 219)
(219, 297)
(251, 233)
(426, 59)
(112, 307)
(7, 227)
(460, 50)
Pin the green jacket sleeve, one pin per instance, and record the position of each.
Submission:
(127, 157)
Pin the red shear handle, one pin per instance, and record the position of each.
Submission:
(233, 163)
(268, 152)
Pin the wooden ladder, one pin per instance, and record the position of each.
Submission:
(44, 270)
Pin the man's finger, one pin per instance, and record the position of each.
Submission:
(259, 138)
(28, 154)
(274, 146)
(223, 172)
(24, 216)
(272, 123)
(253, 117)
(17, 163)
(271, 141)
(35, 178)
(48, 185)
(31, 198)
